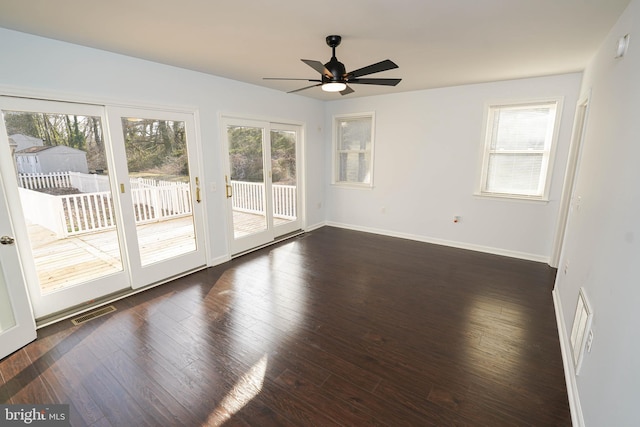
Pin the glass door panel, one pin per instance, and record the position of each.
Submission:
(262, 182)
(246, 164)
(284, 187)
(59, 175)
(66, 198)
(158, 168)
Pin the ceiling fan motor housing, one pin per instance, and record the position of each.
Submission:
(337, 70)
(333, 41)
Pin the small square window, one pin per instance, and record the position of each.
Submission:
(519, 147)
(353, 150)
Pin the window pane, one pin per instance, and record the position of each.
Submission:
(245, 153)
(354, 167)
(522, 128)
(160, 190)
(514, 174)
(283, 157)
(354, 134)
(283, 176)
(247, 180)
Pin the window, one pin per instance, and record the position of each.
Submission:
(353, 149)
(519, 149)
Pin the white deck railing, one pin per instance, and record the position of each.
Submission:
(74, 214)
(83, 182)
(163, 201)
(34, 181)
(83, 213)
(249, 197)
(153, 200)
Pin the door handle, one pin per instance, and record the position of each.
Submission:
(6, 240)
(228, 187)
(198, 199)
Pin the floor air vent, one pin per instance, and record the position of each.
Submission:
(93, 314)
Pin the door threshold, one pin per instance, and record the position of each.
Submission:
(108, 299)
(273, 242)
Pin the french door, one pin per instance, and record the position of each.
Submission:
(17, 327)
(162, 204)
(261, 182)
(98, 206)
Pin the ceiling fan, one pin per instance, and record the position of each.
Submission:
(334, 77)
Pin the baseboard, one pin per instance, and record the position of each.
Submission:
(569, 370)
(442, 242)
(220, 260)
(315, 226)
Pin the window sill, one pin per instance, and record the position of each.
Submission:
(352, 185)
(514, 197)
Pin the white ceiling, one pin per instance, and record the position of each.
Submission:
(436, 43)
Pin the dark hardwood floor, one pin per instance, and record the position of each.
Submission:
(335, 327)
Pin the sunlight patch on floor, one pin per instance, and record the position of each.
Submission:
(247, 387)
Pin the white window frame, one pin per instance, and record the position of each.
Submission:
(548, 152)
(336, 152)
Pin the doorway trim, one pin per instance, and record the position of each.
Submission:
(40, 314)
(225, 119)
(573, 164)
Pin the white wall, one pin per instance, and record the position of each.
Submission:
(602, 243)
(47, 67)
(427, 143)
(427, 163)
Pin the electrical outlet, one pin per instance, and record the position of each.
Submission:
(566, 267)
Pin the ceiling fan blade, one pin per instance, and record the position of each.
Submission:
(347, 91)
(303, 88)
(383, 82)
(318, 66)
(385, 65)
(286, 78)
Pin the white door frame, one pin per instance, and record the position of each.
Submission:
(17, 325)
(577, 139)
(272, 232)
(133, 276)
(142, 276)
(258, 239)
(292, 226)
(44, 305)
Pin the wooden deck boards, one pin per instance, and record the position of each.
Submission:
(77, 259)
(245, 224)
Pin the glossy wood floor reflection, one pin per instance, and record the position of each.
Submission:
(334, 327)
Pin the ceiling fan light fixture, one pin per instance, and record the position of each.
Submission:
(334, 87)
(334, 76)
